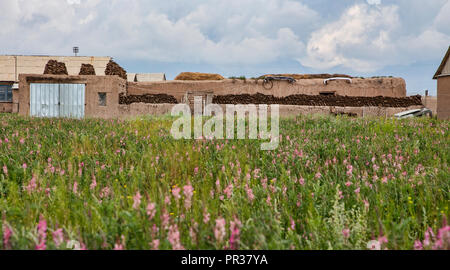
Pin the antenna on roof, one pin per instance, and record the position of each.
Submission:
(76, 50)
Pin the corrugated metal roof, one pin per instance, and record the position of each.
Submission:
(150, 77)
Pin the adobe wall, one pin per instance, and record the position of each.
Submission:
(139, 109)
(389, 87)
(6, 107)
(111, 85)
(443, 97)
(430, 103)
(13, 65)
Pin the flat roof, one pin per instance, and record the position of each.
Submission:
(45, 55)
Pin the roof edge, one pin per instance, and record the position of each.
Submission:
(441, 67)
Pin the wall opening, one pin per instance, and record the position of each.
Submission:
(328, 93)
(5, 93)
(102, 99)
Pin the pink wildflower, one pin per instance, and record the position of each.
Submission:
(42, 234)
(58, 237)
(137, 200)
(349, 170)
(155, 244)
(228, 191)
(32, 186)
(174, 237)
(235, 233)
(24, 166)
(151, 210)
(302, 181)
(75, 188)
(120, 245)
(7, 232)
(292, 227)
(105, 192)
(250, 195)
(176, 193)
(418, 245)
(165, 219)
(188, 192)
(383, 240)
(357, 191)
(206, 216)
(94, 183)
(5, 170)
(219, 230)
(346, 233)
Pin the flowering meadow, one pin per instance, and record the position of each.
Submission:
(333, 183)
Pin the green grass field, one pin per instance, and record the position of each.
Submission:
(333, 183)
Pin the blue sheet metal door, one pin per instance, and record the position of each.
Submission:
(57, 100)
(71, 99)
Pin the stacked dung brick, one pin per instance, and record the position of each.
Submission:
(55, 68)
(87, 69)
(114, 69)
(147, 98)
(318, 100)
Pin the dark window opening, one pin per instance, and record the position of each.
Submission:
(327, 93)
(102, 99)
(5, 93)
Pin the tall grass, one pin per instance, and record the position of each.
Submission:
(334, 183)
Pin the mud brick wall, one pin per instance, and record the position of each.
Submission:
(138, 109)
(443, 98)
(6, 107)
(388, 87)
(113, 86)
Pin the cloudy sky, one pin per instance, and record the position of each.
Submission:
(405, 38)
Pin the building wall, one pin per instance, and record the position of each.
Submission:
(6, 107)
(446, 70)
(111, 85)
(389, 87)
(138, 109)
(430, 103)
(12, 66)
(443, 97)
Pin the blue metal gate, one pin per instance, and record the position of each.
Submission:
(57, 100)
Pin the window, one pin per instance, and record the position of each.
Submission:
(102, 99)
(5, 93)
(329, 93)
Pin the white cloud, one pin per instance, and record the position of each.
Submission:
(355, 41)
(366, 37)
(215, 31)
(442, 21)
(374, 2)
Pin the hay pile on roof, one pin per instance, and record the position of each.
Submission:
(310, 76)
(87, 69)
(197, 76)
(55, 68)
(114, 69)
